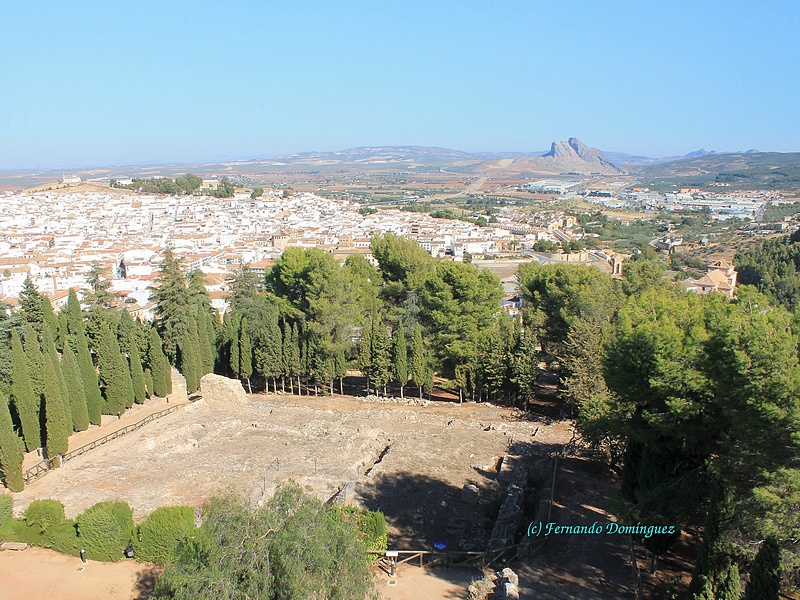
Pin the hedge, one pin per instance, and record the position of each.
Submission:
(64, 538)
(106, 529)
(161, 533)
(44, 514)
(5, 509)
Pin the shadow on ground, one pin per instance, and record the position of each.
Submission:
(145, 582)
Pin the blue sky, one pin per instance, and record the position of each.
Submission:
(122, 82)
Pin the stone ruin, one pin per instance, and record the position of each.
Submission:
(503, 584)
(219, 391)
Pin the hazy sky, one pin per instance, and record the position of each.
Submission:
(127, 81)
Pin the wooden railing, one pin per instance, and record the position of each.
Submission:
(450, 558)
(43, 467)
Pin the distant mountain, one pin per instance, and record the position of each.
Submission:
(572, 156)
(700, 153)
(757, 170)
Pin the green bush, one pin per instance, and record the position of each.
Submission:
(64, 538)
(44, 514)
(369, 525)
(161, 533)
(5, 509)
(17, 530)
(105, 529)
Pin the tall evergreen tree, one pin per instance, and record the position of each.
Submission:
(137, 374)
(419, 360)
(203, 344)
(30, 303)
(365, 352)
(267, 354)
(400, 355)
(62, 333)
(26, 402)
(340, 366)
(114, 375)
(11, 450)
(381, 368)
(35, 358)
(190, 361)
(77, 397)
(765, 573)
(173, 303)
(91, 386)
(56, 428)
(97, 294)
(74, 314)
(245, 354)
(124, 330)
(159, 366)
(293, 353)
(48, 316)
(48, 346)
(234, 333)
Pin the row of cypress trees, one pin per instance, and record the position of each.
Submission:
(68, 370)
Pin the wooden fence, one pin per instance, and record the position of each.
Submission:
(43, 467)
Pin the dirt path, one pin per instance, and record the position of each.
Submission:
(414, 583)
(40, 574)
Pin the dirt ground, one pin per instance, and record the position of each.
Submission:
(40, 574)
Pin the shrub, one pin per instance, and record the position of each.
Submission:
(44, 514)
(161, 533)
(17, 530)
(5, 509)
(369, 525)
(105, 529)
(64, 538)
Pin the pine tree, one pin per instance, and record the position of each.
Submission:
(245, 354)
(49, 347)
(98, 294)
(525, 365)
(765, 573)
(91, 386)
(11, 450)
(137, 374)
(114, 375)
(159, 366)
(173, 304)
(419, 361)
(56, 428)
(77, 397)
(26, 402)
(400, 355)
(30, 303)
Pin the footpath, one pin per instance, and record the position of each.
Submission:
(111, 423)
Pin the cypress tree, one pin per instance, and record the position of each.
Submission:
(765, 573)
(91, 386)
(114, 375)
(49, 347)
(74, 314)
(190, 363)
(77, 397)
(381, 371)
(365, 352)
(124, 331)
(419, 363)
(400, 355)
(268, 353)
(56, 428)
(26, 402)
(206, 358)
(11, 450)
(33, 353)
(148, 383)
(61, 332)
(48, 316)
(235, 326)
(339, 366)
(137, 374)
(173, 304)
(245, 354)
(294, 355)
(159, 366)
